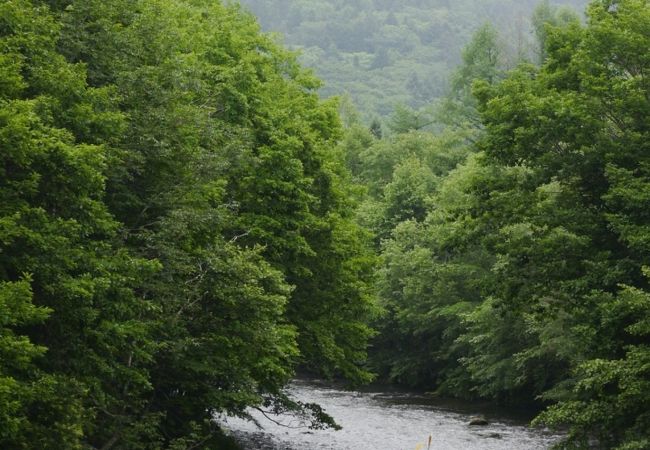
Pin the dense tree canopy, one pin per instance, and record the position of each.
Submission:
(515, 270)
(382, 53)
(184, 222)
(177, 234)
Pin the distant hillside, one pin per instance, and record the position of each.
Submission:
(384, 52)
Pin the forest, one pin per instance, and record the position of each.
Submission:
(188, 217)
(383, 53)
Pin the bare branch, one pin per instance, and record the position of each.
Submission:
(266, 415)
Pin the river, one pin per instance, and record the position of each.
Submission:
(389, 420)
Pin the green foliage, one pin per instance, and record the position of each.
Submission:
(547, 16)
(56, 228)
(384, 53)
(17, 354)
(176, 227)
(560, 256)
(405, 119)
(515, 273)
(482, 62)
(179, 232)
(610, 396)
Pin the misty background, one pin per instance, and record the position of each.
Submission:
(383, 53)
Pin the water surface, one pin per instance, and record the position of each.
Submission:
(388, 420)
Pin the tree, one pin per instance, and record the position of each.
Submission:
(58, 246)
(247, 147)
(129, 215)
(609, 398)
(481, 62)
(546, 16)
(405, 119)
(375, 129)
(18, 389)
(583, 137)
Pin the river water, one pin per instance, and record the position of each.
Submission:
(388, 420)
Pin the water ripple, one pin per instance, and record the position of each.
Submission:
(385, 421)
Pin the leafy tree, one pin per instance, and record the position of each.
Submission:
(575, 143)
(57, 229)
(151, 147)
(544, 16)
(17, 387)
(375, 129)
(482, 61)
(609, 396)
(524, 281)
(405, 119)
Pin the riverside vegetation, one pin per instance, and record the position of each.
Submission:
(183, 223)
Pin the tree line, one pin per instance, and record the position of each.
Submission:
(512, 228)
(382, 53)
(176, 228)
